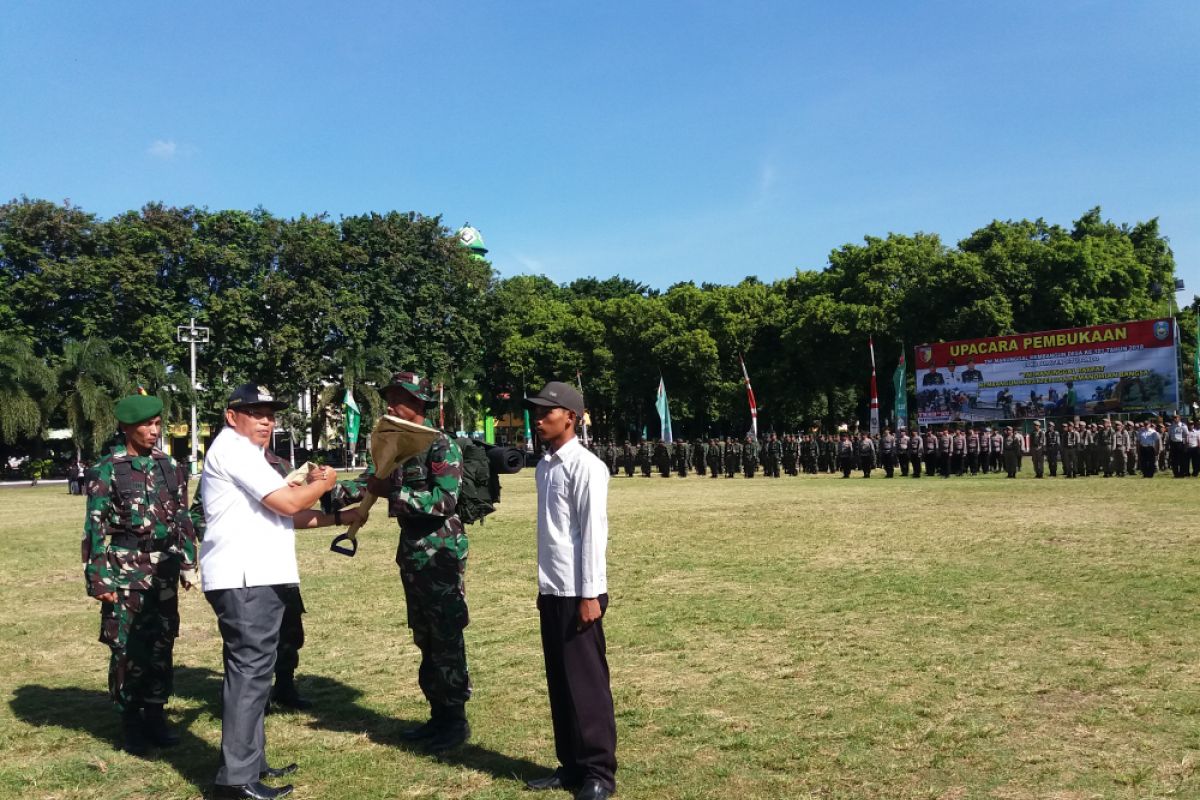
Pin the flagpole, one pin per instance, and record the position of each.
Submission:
(750, 395)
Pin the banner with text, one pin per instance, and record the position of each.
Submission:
(1120, 368)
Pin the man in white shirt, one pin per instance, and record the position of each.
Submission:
(247, 560)
(572, 528)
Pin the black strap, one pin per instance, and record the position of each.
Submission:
(123, 477)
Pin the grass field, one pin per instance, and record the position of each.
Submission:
(805, 637)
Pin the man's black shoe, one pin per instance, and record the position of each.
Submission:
(593, 790)
(133, 734)
(285, 694)
(450, 734)
(251, 791)
(555, 780)
(278, 772)
(426, 730)
(154, 724)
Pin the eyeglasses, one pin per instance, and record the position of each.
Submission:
(257, 413)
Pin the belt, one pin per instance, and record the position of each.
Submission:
(145, 544)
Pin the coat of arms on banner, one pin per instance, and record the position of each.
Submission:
(925, 354)
(1162, 329)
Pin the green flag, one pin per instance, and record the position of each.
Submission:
(664, 411)
(1196, 356)
(353, 419)
(898, 381)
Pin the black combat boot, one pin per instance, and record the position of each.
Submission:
(285, 694)
(133, 734)
(451, 731)
(155, 726)
(426, 730)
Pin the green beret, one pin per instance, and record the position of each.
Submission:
(138, 408)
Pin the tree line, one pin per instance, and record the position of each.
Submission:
(89, 309)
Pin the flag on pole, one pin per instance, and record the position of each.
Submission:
(1196, 355)
(899, 382)
(664, 411)
(750, 394)
(874, 391)
(353, 419)
(441, 406)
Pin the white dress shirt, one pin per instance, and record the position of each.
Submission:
(1193, 437)
(246, 543)
(572, 486)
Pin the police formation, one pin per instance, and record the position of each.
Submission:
(1072, 448)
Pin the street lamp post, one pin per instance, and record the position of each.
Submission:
(193, 334)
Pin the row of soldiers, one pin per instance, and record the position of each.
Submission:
(1079, 448)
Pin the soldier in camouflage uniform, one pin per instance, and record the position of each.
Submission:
(773, 457)
(628, 457)
(750, 451)
(662, 458)
(716, 458)
(645, 457)
(138, 548)
(422, 495)
(733, 457)
(682, 457)
(291, 631)
(700, 456)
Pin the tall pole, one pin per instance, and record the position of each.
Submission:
(192, 334)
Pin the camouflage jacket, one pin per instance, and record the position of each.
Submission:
(125, 542)
(196, 512)
(424, 500)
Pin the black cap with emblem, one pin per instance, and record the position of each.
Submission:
(254, 394)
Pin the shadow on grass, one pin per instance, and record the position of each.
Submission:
(91, 712)
(336, 708)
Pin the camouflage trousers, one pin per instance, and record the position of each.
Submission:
(437, 613)
(291, 632)
(140, 630)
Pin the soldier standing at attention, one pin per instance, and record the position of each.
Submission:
(714, 458)
(775, 455)
(887, 452)
(931, 452)
(944, 444)
(915, 446)
(845, 454)
(1037, 449)
(700, 456)
(733, 457)
(866, 454)
(422, 494)
(750, 456)
(958, 452)
(628, 456)
(973, 450)
(902, 451)
(645, 457)
(1012, 451)
(1177, 443)
(997, 448)
(1053, 447)
(1070, 450)
(138, 548)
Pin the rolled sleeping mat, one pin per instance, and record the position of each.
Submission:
(504, 460)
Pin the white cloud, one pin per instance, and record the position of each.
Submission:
(163, 149)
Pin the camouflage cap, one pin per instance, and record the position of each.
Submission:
(414, 384)
(138, 408)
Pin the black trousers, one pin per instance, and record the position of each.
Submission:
(581, 705)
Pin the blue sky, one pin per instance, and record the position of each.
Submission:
(660, 141)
